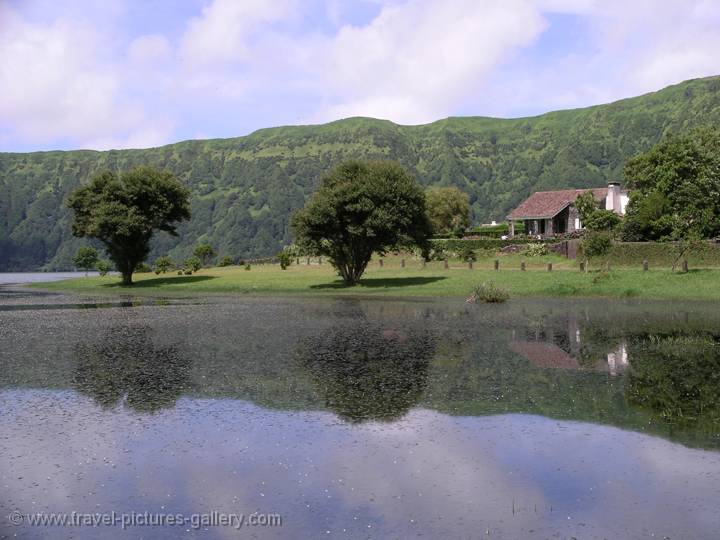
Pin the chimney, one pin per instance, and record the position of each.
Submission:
(612, 202)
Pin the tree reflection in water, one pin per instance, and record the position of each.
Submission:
(367, 370)
(127, 366)
(677, 376)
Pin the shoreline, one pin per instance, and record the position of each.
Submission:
(404, 283)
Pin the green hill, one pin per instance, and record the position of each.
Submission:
(245, 189)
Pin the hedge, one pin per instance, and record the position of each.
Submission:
(458, 244)
(661, 254)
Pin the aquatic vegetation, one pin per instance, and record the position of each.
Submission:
(488, 293)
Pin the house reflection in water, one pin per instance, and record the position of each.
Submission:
(565, 347)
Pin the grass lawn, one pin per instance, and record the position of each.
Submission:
(414, 280)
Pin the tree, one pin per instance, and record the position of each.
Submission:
(602, 220)
(86, 258)
(193, 264)
(227, 260)
(592, 216)
(163, 264)
(103, 267)
(586, 205)
(675, 189)
(362, 208)
(448, 209)
(285, 259)
(123, 211)
(204, 252)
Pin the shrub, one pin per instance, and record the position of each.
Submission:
(179, 272)
(86, 258)
(203, 253)
(188, 272)
(193, 264)
(247, 266)
(163, 264)
(467, 254)
(285, 259)
(103, 267)
(535, 250)
(488, 293)
(143, 268)
(602, 220)
(596, 244)
(227, 260)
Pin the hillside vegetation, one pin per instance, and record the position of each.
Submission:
(245, 189)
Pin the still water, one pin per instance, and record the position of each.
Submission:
(361, 418)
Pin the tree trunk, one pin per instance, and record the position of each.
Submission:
(127, 278)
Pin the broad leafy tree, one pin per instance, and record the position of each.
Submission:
(362, 208)
(163, 264)
(86, 258)
(204, 252)
(448, 209)
(123, 211)
(675, 189)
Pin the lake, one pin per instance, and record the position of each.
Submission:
(14, 278)
(352, 418)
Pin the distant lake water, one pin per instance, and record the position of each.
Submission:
(14, 278)
(352, 418)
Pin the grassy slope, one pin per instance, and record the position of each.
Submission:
(434, 280)
(245, 188)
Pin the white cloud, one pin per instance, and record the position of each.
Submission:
(58, 84)
(150, 48)
(415, 60)
(81, 77)
(221, 33)
(617, 49)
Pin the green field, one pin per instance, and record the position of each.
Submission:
(434, 280)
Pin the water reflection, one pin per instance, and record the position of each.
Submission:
(366, 418)
(367, 370)
(678, 377)
(126, 366)
(367, 360)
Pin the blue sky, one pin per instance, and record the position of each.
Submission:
(133, 73)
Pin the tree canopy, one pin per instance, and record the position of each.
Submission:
(123, 211)
(448, 209)
(362, 208)
(204, 252)
(85, 258)
(675, 189)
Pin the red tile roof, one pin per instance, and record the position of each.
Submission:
(548, 204)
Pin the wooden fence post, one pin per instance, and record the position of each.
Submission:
(645, 265)
(549, 267)
(297, 261)
(402, 263)
(319, 260)
(308, 261)
(446, 265)
(424, 262)
(381, 263)
(522, 266)
(582, 266)
(470, 265)
(497, 264)
(685, 266)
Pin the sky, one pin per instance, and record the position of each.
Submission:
(103, 74)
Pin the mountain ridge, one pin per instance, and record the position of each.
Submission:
(244, 188)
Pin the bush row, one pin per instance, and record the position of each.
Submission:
(460, 244)
(661, 254)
